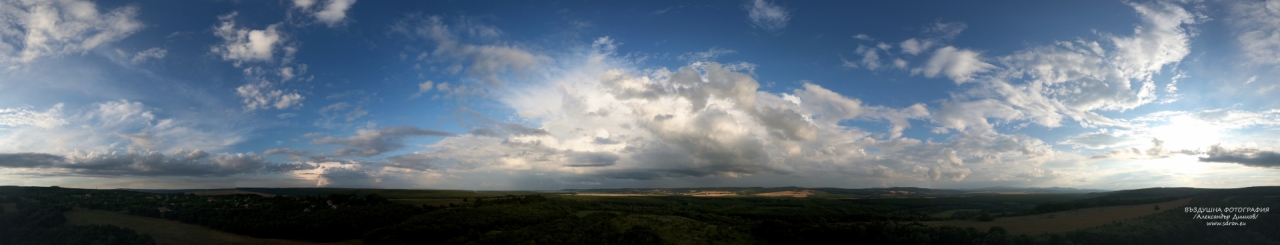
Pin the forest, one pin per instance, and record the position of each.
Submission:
(43, 223)
(372, 217)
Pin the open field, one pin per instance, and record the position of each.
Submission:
(804, 193)
(712, 194)
(1066, 220)
(171, 232)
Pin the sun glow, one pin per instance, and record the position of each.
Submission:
(1181, 165)
(1187, 133)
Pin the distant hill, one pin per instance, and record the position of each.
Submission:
(174, 191)
(1162, 192)
(385, 193)
(1044, 190)
(860, 191)
(1093, 195)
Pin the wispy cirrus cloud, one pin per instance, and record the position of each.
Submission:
(149, 54)
(487, 63)
(35, 29)
(114, 125)
(1256, 25)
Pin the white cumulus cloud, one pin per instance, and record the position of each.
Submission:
(261, 95)
(958, 64)
(329, 12)
(242, 45)
(16, 117)
(767, 16)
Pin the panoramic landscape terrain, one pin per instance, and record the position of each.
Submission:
(639, 122)
(55, 215)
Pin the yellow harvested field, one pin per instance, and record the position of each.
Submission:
(804, 193)
(172, 232)
(10, 207)
(1066, 220)
(712, 194)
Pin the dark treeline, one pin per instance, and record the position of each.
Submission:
(42, 223)
(537, 219)
(330, 218)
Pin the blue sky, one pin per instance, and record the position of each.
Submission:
(554, 95)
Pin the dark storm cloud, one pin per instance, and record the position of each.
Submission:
(649, 174)
(592, 159)
(1096, 140)
(29, 160)
(293, 154)
(1243, 156)
(604, 141)
(348, 177)
(368, 142)
(181, 163)
(413, 161)
(505, 129)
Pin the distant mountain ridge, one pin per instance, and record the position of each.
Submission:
(859, 191)
(1091, 195)
(828, 190)
(1039, 189)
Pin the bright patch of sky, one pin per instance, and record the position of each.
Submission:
(535, 95)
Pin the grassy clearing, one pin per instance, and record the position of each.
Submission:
(172, 232)
(1066, 220)
(799, 194)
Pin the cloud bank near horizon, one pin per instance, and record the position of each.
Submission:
(475, 106)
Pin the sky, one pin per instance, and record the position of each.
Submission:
(547, 95)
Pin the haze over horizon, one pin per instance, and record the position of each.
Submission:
(571, 95)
